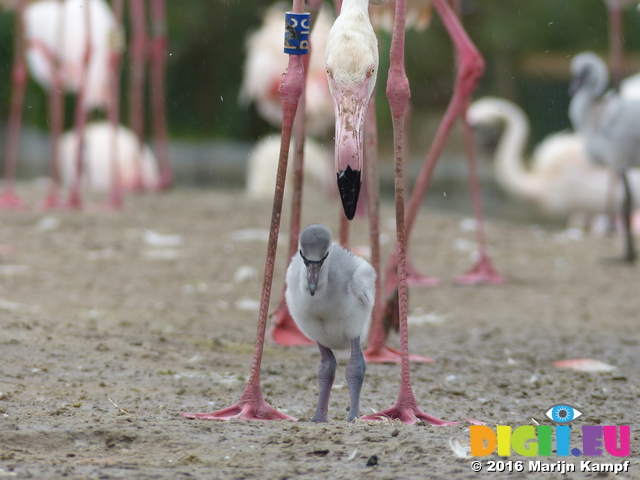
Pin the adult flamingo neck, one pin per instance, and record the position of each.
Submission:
(509, 168)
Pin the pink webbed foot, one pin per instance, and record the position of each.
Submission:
(50, 203)
(386, 354)
(251, 406)
(10, 201)
(482, 272)
(407, 414)
(114, 203)
(111, 204)
(243, 410)
(284, 330)
(166, 182)
(417, 279)
(53, 201)
(414, 277)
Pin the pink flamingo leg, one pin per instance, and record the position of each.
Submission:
(470, 71)
(252, 405)
(56, 122)
(56, 114)
(115, 58)
(284, 330)
(8, 198)
(483, 271)
(616, 49)
(377, 350)
(158, 65)
(406, 407)
(136, 86)
(75, 201)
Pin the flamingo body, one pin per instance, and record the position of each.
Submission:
(96, 158)
(263, 164)
(43, 45)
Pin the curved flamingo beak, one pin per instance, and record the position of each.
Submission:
(350, 104)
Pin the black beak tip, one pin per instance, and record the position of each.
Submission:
(349, 183)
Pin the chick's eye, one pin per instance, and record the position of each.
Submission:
(563, 413)
(372, 71)
(329, 73)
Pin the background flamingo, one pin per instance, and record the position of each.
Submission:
(62, 57)
(263, 164)
(96, 159)
(67, 47)
(559, 179)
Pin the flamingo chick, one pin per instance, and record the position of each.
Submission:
(609, 126)
(351, 58)
(330, 294)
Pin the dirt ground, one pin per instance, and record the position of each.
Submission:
(114, 322)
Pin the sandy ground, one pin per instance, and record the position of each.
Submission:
(111, 325)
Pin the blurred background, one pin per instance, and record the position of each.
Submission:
(527, 45)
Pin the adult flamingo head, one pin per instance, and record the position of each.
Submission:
(352, 68)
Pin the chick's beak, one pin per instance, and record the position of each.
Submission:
(313, 272)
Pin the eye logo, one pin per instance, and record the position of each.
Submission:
(563, 413)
